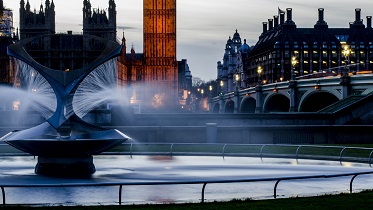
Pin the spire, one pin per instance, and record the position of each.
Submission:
(28, 6)
(47, 4)
(123, 40)
(41, 8)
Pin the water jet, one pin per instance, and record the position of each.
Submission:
(64, 143)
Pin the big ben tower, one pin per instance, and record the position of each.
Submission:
(160, 49)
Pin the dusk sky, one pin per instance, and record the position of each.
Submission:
(203, 26)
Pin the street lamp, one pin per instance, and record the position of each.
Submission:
(346, 53)
(293, 63)
(259, 70)
(237, 79)
(221, 86)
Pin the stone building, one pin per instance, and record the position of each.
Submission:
(66, 51)
(97, 23)
(33, 23)
(153, 75)
(316, 51)
(231, 72)
(7, 37)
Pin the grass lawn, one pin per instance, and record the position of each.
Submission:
(362, 200)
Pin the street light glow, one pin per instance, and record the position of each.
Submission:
(346, 51)
(259, 70)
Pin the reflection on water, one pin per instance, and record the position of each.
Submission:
(165, 168)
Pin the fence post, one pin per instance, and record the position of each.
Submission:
(297, 152)
(171, 148)
(261, 152)
(3, 192)
(340, 155)
(120, 195)
(352, 181)
(275, 189)
(203, 193)
(224, 150)
(370, 158)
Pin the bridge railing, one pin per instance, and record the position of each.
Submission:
(319, 152)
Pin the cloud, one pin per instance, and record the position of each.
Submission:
(127, 28)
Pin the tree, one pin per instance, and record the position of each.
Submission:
(197, 82)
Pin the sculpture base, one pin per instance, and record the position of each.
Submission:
(65, 166)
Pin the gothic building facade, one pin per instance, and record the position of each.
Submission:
(66, 51)
(231, 71)
(151, 77)
(7, 37)
(32, 23)
(97, 23)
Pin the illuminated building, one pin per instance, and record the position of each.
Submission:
(7, 69)
(317, 50)
(153, 75)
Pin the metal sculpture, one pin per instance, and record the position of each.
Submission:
(64, 143)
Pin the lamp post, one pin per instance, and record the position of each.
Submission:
(237, 79)
(293, 63)
(259, 93)
(346, 53)
(293, 87)
(259, 71)
(345, 79)
(221, 86)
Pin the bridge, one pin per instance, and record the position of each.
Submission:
(297, 95)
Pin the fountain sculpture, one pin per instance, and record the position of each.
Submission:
(65, 143)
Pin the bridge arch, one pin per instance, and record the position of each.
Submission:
(229, 107)
(277, 103)
(317, 100)
(248, 105)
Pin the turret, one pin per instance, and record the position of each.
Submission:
(289, 16)
(321, 24)
(369, 21)
(28, 6)
(47, 5)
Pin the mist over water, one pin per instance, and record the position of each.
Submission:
(33, 94)
(97, 89)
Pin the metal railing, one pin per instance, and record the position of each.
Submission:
(223, 152)
(203, 182)
(341, 150)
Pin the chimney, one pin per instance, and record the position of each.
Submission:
(275, 18)
(264, 27)
(369, 21)
(289, 14)
(270, 24)
(282, 18)
(321, 14)
(358, 15)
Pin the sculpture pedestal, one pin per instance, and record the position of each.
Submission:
(65, 166)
